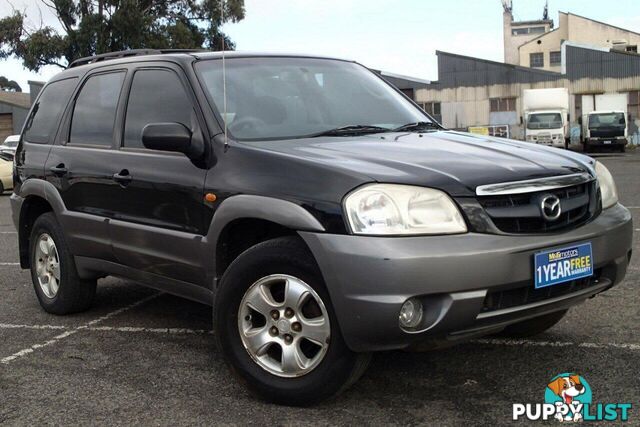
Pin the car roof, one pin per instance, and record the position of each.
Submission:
(81, 66)
(180, 55)
(243, 54)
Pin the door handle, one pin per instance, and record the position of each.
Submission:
(59, 170)
(123, 177)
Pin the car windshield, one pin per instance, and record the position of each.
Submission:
(285, 97)
(11, 144)
(544, 121)
(606, 120)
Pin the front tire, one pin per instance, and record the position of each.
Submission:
(532, 327)
(53, 270)
(276, 328)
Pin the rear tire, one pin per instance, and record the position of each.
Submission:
(264, 370)
(53, 270)
(532, 327)
(1, 188)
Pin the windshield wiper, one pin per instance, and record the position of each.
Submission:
(417, 126)
(351, 130)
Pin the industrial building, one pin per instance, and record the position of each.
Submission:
(537, 44)
(473, 92)
(14, 107)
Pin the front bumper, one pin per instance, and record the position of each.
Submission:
(369, 278)
(552, 143)
(7, 182)
(606, 142)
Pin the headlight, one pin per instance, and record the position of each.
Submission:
(389, 209)
(607, 185)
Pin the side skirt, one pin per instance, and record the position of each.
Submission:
(93, 268)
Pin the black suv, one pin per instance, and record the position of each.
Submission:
(321, 212)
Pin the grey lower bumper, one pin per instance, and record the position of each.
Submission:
(369, 278)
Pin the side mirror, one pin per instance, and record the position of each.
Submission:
(173, 137)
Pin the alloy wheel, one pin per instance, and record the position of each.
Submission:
(284, 325)
(47, 265)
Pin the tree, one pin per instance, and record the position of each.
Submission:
(7, 85)
(92, 27)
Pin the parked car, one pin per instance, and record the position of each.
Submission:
(6, 172)
(321, 212)
(10, 143)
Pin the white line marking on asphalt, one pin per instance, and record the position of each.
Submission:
(625, 346)
(9, 263)
(8, 232)
(170, 331)
(68, 333)
(186, 331)
(12, 326)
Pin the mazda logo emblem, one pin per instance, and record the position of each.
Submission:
(550, 207)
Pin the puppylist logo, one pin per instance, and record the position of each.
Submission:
(568, 398)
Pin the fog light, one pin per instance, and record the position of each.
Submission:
(411, 313)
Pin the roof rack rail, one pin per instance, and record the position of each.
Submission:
(127, 53)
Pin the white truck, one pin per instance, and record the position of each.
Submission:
(546, 116)
(604, 121)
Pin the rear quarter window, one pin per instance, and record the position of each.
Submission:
(45, 115)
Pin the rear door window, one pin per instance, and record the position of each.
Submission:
(94, 113)
(45, 115)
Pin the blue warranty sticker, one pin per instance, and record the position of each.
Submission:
(563, 265)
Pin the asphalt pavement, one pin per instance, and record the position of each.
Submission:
(139, 357)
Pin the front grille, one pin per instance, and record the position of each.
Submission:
(499, 300)
(521, 213)
(607, 133)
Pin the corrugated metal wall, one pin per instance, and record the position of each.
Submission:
(596, 64)
(466, 84)
(457, 70)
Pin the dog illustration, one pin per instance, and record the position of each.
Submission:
(567, 388)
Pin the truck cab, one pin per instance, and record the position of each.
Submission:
(604, 129)
(546, 116)
(547, 127)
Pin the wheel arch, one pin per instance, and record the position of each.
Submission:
(245, 220)
(38, 197)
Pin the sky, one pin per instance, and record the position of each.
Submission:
(398, 36)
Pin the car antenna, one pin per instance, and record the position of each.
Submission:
(224, 80)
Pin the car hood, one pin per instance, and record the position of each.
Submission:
(455, 162)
